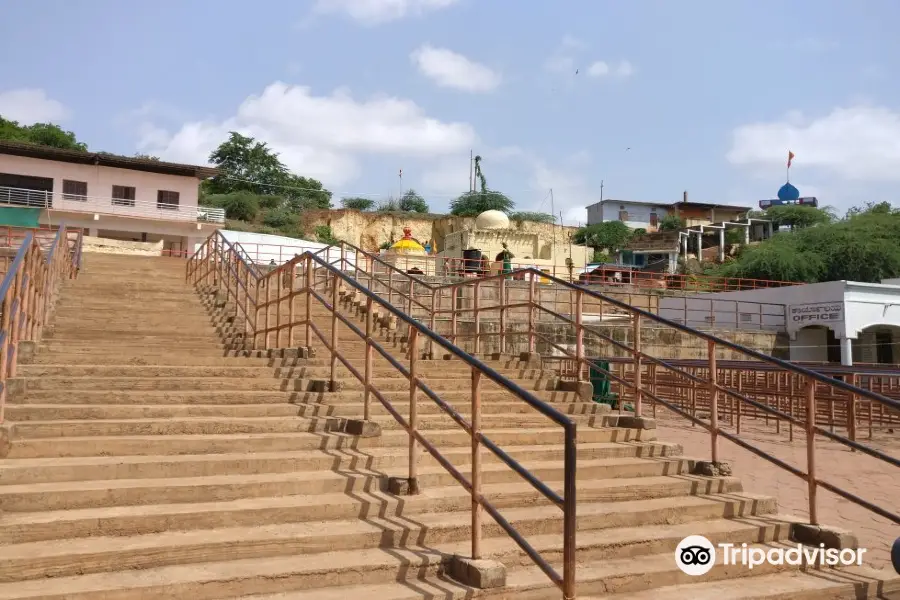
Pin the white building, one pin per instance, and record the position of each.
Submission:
(637, 215)
(836, 321)
(109, 196)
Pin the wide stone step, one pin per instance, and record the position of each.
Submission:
(71, 412)
(624, 478)
(382, 383)
(263, 559)
(49, 470)
(274, 442)
(459, 397)
(207, 425)
(248, 370)
(27, 527)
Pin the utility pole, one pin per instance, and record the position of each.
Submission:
(401, 185)
(601, 190)
(471, 174)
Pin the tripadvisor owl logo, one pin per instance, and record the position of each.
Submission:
(695, 555)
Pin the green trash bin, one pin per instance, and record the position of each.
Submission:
(599, 370)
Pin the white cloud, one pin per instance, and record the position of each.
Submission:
(29, 106)
(858, 143)
(449, 69)
(625, 69)
(573, 43)
(602, 69)
(319, 136)
(375, 12)
(598, 69)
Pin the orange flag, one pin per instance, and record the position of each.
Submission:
(790, 158)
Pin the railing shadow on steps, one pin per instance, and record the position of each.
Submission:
(28, 293)
(218, 264)
(638, 374)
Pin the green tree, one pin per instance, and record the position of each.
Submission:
(880, 208)
(248, 165)
(362, 204)
(861, 247)
(472, 204)
(535, 217)
(146, 156)
(324, 235)
(413, 202)
(241, 205)
(779, 259)
(280, 219)
(671, 222)
(609, 235)
(44, 134)
(797, 216)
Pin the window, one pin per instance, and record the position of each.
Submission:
(75, 190)
(122, 195)
(167, 200)
(623, 215)
(654, 219)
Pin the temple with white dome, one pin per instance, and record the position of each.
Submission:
(493, 235)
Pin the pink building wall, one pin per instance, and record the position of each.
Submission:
(100, 180)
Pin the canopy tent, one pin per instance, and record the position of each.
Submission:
(263, 248)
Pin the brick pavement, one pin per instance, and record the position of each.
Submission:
(862, 475)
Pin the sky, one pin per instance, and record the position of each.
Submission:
(644, 99)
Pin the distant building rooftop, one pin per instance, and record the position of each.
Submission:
(105, 159)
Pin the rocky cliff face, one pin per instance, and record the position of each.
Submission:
(369, 230)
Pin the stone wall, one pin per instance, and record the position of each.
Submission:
(109, 246)
(369, 230)
(659, 342)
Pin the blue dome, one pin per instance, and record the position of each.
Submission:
(788, 192)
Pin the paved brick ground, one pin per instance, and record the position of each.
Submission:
(862, 475)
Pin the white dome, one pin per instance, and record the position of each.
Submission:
(492, 219)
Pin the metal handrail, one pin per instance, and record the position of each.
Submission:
(714, 388)
(27, 295)
(209, 260)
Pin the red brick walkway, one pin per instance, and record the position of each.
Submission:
(865, 476)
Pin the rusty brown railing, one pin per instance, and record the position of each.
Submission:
(28, 293)
(520, 322)
(219, 265)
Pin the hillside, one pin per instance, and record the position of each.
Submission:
(370, 230)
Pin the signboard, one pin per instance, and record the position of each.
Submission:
(807, 201)
(821, 313)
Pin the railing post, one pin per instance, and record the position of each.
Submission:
(531, 310)
(409, 301)
(851, 409)
(476, 302)
(334, 330)
(413, 410)
(570, 504)
(713, 402)
(503, 303)
(454, 301)
(368, 374)
(638, 383)
(476, 464)
(432, 320)
(268, 281)
(291, 298)
(811, 449)
(14, 325)
(579, 334)
(309, 286)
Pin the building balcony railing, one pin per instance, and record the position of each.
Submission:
(121, 207)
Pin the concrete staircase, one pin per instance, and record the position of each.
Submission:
(147, 459)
